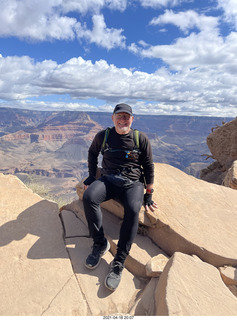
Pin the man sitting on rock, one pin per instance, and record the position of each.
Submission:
(126, 169)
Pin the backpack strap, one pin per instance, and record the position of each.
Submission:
(136, 138)
(107, 130)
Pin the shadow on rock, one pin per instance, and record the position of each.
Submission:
(40, 220)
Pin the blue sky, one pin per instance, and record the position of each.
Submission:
(160, 56)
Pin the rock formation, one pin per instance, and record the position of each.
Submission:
(36, 277)
(56, 147)
(222, 143)
(77, 127)
(189, 286)
(183, 261)
(52, 145)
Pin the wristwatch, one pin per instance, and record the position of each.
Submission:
(149, 190)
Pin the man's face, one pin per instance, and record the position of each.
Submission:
(122, 122)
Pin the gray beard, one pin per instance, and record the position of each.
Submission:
(124, 129)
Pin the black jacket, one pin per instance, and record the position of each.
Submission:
(118, 158)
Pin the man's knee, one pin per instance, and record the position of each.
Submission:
(133, 206)
(87, 198)
(95, 193)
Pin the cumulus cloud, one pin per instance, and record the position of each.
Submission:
(193, 51)
(35, 20)
(161, 3)
(200, 73)
(47, 20)
(83, 6)
(101, 35)
(230, 11)
(199, 90)
(186, 20)
(202, 46)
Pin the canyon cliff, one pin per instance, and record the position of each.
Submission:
(183, 261)
(51, 147)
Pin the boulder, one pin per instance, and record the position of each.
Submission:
(36, 276)
(214, 173)
(222, 143)
(155, 265)
(145, 305)
(230, 179)
(195, 217)
(191, 287)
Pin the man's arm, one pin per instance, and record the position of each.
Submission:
(148, 167)
(93, 154)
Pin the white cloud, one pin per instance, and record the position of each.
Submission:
(46, 20)
(35, 20)
(202, 90)
(56, 105)
(194, 51)
(134, 48)
(83, 6)
(161, 3)
(101, 35)
(203, 77)
(203, 48)
(116, 4)
(143, 43)
(230, 10)
(186, 20)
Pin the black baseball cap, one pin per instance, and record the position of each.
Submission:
(123, 107)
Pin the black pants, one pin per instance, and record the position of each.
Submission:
(130, 196)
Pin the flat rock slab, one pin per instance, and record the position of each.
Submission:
(102, 301)
(195, 217)
(73, 226)
(36, 277)
(139, 298)
(191, 287)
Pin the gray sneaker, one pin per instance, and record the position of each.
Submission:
(94, 257)
(113, 278)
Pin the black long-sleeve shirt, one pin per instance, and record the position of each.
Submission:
(116, 158)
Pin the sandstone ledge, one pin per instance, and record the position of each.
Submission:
(46, 251)
(36, 276)
(194, 216)
(190, 287)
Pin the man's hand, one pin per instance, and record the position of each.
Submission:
(85, 187)
(149, 203)
(88, 181)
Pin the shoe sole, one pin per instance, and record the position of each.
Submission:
(106, 250)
